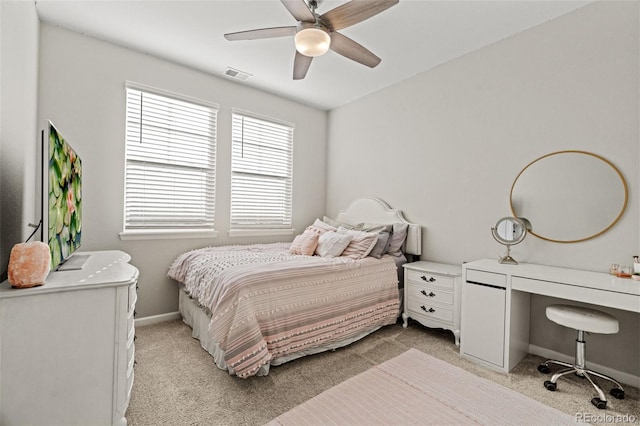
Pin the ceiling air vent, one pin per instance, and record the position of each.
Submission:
(237, 74)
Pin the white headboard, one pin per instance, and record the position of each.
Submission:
(374, 210)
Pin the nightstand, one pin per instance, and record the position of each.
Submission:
(432, 295)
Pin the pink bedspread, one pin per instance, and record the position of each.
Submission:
(266, 304)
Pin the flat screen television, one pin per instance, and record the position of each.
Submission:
(62, 201)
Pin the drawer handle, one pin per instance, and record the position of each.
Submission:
(429, 280)
(431, 294)
(430, 310)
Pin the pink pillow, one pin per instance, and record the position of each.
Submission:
(305, 243)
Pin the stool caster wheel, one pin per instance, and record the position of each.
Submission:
(550, 385)
(617, 393)
(600, 404)
(543, 368)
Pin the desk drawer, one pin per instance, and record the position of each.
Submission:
(419, 277)
(489, 278)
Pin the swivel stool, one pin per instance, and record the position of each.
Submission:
(582, 320)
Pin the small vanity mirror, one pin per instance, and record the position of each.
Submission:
(510, 231)
(571, 196)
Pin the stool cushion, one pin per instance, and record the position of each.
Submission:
(584, 319)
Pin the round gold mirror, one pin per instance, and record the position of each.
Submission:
(569, 196)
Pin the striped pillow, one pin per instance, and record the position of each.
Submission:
(332, 244)
(361, 244)
(305, 243)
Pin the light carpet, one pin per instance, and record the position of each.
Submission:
(416, 388)
(177, 383)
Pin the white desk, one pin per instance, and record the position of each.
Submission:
(495, 304)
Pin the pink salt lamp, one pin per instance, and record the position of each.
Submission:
(29, 264)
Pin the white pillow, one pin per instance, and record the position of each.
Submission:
(319, 227)
(332, 244)
(361, 243)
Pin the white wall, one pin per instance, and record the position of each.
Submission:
(446, 145)
(19, 28)
(82, 83)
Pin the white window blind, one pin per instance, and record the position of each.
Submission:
(170, 163)
(261, 173)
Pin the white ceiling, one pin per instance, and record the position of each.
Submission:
(410, 37)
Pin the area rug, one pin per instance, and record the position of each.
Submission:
(417, 389)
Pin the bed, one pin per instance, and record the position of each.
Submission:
(261, 305)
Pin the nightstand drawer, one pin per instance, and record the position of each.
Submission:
(429, 294)
(428, 278)
(430, 311)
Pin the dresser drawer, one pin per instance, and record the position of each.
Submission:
(130, 349)
(429, 294)
(431, 311)
(129, 387)
(126, 391)
(133, 297)
(131, 326)
(419, 277)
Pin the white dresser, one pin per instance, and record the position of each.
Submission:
(66, 348)
(432, 295)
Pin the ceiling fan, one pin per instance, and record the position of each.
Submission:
(316, 34)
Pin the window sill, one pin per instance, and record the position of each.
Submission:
(153, 234)
(260, 232)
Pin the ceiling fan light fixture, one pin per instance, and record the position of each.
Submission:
(312, 41)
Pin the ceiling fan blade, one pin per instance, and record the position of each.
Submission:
(262, 33)
(350, 49)
(353, 12)
(299, 10)
(301, 65)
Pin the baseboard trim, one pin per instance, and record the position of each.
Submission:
(621, 376)
(154, 319)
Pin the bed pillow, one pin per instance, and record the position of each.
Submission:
(332, 244)
(336, 223)
(396, 241)
(382, 244)
(361, 244)
(320, 227)
(363, 226)
(372, 227)
(305, 243)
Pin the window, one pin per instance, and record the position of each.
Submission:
(170, 164)
(261, 173)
